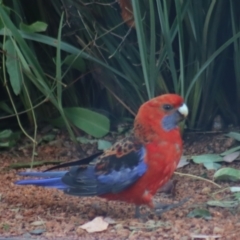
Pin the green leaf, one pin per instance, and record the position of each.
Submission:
(7, 144)
(90, 122)
(224, 204)
(235, 189)
(207, 158)
(6, 227)
(200, 213)
(7, 10)
(103, 144)
(234, 135)
(236, 195)
(230, 174)
(6, 108)
(76, 62)
(142, 43)
(5, 134)
(57, 122)
(85, 140)
(13, 67)
(8, 138)
(34, 27)
(230, 151)
(48, 137)
(211, 165)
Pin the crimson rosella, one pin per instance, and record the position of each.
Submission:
(134, 168)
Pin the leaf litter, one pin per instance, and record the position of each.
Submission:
(61, 215)
(96, 225)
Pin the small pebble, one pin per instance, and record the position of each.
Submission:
(184, 238)
(80, 231)
(229, 142)
(217, 230)
(123, 233)
(37, 231)
(118, 226)
(206, 190)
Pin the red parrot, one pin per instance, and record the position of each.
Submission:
(134, 168)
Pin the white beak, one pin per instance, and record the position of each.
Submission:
(183, 110)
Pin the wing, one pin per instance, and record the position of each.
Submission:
(112, 172)
(82, 161)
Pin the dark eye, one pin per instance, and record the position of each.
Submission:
(167, 107)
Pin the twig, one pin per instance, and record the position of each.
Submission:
(27, 110)
(197, 177)
(34, 123)
(219, 191)
(121, 102)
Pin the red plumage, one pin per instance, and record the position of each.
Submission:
(163, 149)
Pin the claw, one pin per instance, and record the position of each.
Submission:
(161, 208)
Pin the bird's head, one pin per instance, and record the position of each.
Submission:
(160, 115)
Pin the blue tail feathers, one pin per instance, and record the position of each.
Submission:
(47, 179)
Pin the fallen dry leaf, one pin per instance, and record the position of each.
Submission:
(109, 220)
(231, 157)
(37, 223)
(204, 236)
(183, 162)
(96, 225)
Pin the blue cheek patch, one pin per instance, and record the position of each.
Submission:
(169, 122)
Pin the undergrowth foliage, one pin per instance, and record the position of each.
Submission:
(68, 58)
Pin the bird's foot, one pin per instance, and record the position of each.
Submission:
(138, 213)
(161, 208)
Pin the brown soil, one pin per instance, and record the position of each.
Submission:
(53, 215)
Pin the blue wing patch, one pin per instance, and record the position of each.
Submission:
(116, 181)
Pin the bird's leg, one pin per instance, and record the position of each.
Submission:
(161, 208)
(137, 212)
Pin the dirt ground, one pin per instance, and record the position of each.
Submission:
(37, 213)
